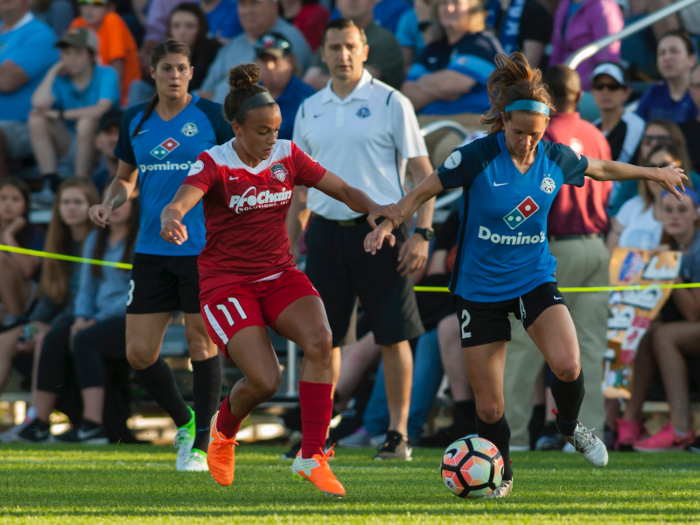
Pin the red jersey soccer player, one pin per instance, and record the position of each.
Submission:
(248, 278)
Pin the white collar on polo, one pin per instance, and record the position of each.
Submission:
(362, 90)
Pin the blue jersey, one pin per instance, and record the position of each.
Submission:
(502, 252)
(164, 153)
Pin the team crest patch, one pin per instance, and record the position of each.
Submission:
(521, 213)
(363, 112)
(164, 149)
(453, 160)
(279, 172)
(548, 185)
(189, 129)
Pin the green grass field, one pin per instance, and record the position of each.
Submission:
(139, 484)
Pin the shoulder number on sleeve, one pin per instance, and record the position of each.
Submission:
(196, 168)
(453, 160)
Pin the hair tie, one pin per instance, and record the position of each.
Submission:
(528, 105)
(261, 99)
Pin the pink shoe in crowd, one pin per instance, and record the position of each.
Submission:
(665, 439)
(628, 432)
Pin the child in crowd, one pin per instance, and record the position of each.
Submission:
(67, 230)
(68, 105)
(117, 47)
(94, 333)
(19, 272)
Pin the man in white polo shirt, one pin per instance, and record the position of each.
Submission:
(366, 132)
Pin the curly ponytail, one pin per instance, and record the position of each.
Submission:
(513, 79)
(243, 80)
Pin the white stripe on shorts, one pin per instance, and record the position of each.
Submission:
(215, 325)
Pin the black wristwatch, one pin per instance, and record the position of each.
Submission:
(426, 233)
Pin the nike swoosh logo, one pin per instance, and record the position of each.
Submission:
(87, 435)
(233, 178)
(142, 132)
(496, 185)
(316, 116)
(557, 298)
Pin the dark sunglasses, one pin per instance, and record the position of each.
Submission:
(609, 87)
(662, 139)
(100, 3)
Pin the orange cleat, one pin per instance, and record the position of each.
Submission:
(221, 455)
(317, 471)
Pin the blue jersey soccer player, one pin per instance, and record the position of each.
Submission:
(503, 264)
(157, 145)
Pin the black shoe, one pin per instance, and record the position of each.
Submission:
(85, 435)
(695, 447)
(36, 432)
(444, 437)
(395, 447)
(292, 452)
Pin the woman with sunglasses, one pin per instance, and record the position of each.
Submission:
(658, 132)
(623, 129)
(638, 223)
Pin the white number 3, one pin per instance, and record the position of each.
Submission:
(466, 318)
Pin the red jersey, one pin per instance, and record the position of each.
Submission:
(245, 212)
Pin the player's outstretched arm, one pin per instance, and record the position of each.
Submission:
(408, 205)
(171, 227)
(357, 200)
(671, 178)
(119, 192)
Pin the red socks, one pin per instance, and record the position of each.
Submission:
(228, 424)
(316, 411)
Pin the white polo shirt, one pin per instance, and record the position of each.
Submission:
(365, 139)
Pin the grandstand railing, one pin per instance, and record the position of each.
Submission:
(591, 49)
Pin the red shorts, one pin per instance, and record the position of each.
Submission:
(253, 304)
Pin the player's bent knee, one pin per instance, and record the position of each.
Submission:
(265, 386)
(139, 357)
(567, 370)
(318, 344)
(490, 412)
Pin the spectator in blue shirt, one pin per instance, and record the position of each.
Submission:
(416, 29)
(68, 105)
(273, 54)
(670, 100)
(450, 76)
(387, 13)
(105, 143)
(26, 53)
(222, 17)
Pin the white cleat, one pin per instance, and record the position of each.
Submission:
(592, 448)
(183, 441)
(503, 489)
(196, 462)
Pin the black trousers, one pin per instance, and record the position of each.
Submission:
(96, 357)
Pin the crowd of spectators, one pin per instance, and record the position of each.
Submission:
(68, 70)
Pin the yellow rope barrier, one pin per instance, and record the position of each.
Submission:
(442, 289)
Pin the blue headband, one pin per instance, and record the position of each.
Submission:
(528, 105)
(690, 192)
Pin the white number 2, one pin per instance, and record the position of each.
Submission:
(466, 318)
(223, 308)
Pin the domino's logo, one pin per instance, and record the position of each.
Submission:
(521, 213)
(164, 149)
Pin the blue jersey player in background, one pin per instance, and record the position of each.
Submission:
(503, 264)
(158, 144)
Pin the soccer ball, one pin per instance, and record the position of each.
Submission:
(472, 467)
